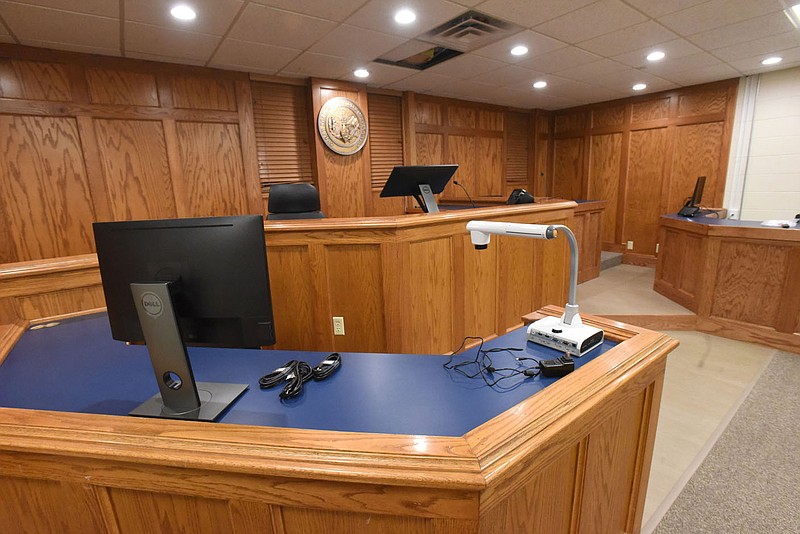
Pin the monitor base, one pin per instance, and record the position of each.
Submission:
(215, 398)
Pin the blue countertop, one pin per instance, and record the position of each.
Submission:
(77, 367)
(733, 223)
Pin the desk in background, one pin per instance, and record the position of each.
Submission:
(740, 278)
(570, 455)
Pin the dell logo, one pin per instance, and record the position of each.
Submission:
(152, 304)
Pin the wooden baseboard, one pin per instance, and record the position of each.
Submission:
(642, 260)
(658, 322)
(750, 333)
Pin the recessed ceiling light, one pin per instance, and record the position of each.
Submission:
(793, 13)
(541, 84)
(361, 73)
(655, 56)
(183, 12)
(405, 16)
(772, 60)
(640, 86)
(519, 50)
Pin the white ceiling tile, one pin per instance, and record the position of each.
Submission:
(591, 21)
(508, 75)
(381, 75)
(213, 16)
(357, 43)
(254, 57)
(753, 65)
(165, 59)
(527, 13)
(424, 82)
(379, 15)
(765, 46)
(336, 11)
(103, 8)
(466, 66)
(631, 38)
(32, 23)
(624, 81)
(560, 59)
(742, 32)
(590, 71)
(673, 66)
(720, 71)
(659, 8)
(468, 3)
(537, 44)
(320, 65)
(153, 40)
(564, 88)
(259, 24)
(677, 48)
(717, 13)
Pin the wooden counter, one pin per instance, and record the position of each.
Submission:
(573, 457)
(740, 278)
(409, 284)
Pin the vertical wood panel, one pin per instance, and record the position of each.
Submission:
(610, 468)
(608, 116)
(490, 120)
(568, 168)
(140, 511)
(305, 521)
(648, 110)
(212, 169)
(355, 285)
(570, 121)
(431, 302)
(605, 154)
(136, 169)
(697, 151)
(293, 298)
(517, 279)
(429, 149)
(480, 282)
(462, 150)
(462, 117)
(489, 166)
(427, 113)
(702, 102)
(43, 187)
(107, 86)
(645, 178)
(195, 92)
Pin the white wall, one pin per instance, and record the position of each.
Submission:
(772, 176)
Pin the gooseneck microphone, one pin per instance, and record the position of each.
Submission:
(459, 184)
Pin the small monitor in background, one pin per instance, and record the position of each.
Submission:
(175, 282)
(420, 182)
(692, 206)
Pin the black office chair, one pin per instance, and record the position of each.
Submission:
(293, 201)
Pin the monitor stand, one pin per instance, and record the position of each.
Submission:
(426, 200)
(181, 397)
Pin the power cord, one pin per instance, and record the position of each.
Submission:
(296, 373)
(483, 366)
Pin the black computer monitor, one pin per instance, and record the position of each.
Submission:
(175, 282)
(692, 206)
(420, 182)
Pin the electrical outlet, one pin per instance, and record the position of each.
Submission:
(630, 245)
(338, 326)
(657, 244)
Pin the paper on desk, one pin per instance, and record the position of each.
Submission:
(780, 223)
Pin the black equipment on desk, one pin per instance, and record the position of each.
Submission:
(692, 206)
(420, 182)
(520, 196)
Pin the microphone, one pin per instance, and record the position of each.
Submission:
(459, 184)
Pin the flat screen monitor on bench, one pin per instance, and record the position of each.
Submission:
(420, 182)
(175, 282)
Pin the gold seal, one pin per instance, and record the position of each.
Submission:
(342, 126)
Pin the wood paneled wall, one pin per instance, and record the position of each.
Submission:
(89, 138)
(643, 156)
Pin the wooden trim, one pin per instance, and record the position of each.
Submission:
(247, 141)
(283, 80)
(658, 322)
(643, 260)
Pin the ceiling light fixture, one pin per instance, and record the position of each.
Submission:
(772, 60)
(793, 13)
(640, 86)
(361, 73)
(183, 12)
(658, 55)
(519, 50)
(541, 84)
(405, 16)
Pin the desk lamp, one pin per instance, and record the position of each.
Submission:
(567, 333)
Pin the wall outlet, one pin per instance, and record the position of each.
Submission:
(338, 326)
(630, 245)
(657, 244)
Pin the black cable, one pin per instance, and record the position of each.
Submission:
(301, 373)
(327, 367)
(492, 376)
(277, 376)
(459, 184)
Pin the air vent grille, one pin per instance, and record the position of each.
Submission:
(470, 31)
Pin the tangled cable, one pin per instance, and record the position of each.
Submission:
(296, 373)
(482, 365)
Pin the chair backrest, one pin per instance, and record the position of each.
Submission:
(293, 201)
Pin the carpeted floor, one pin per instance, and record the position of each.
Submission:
(750, 481)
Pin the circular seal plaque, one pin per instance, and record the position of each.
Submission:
(342, 126)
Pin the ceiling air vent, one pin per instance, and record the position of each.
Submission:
(470, 31)
(423, 59)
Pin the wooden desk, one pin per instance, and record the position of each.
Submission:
(408, 284)
(740, 278)
(573, 457)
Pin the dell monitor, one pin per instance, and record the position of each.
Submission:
(175, 282)
(420, 182)
(692, 206)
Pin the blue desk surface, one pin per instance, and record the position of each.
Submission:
(714, 221)
(78, 367)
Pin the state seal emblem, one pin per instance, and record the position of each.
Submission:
(342, 126)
